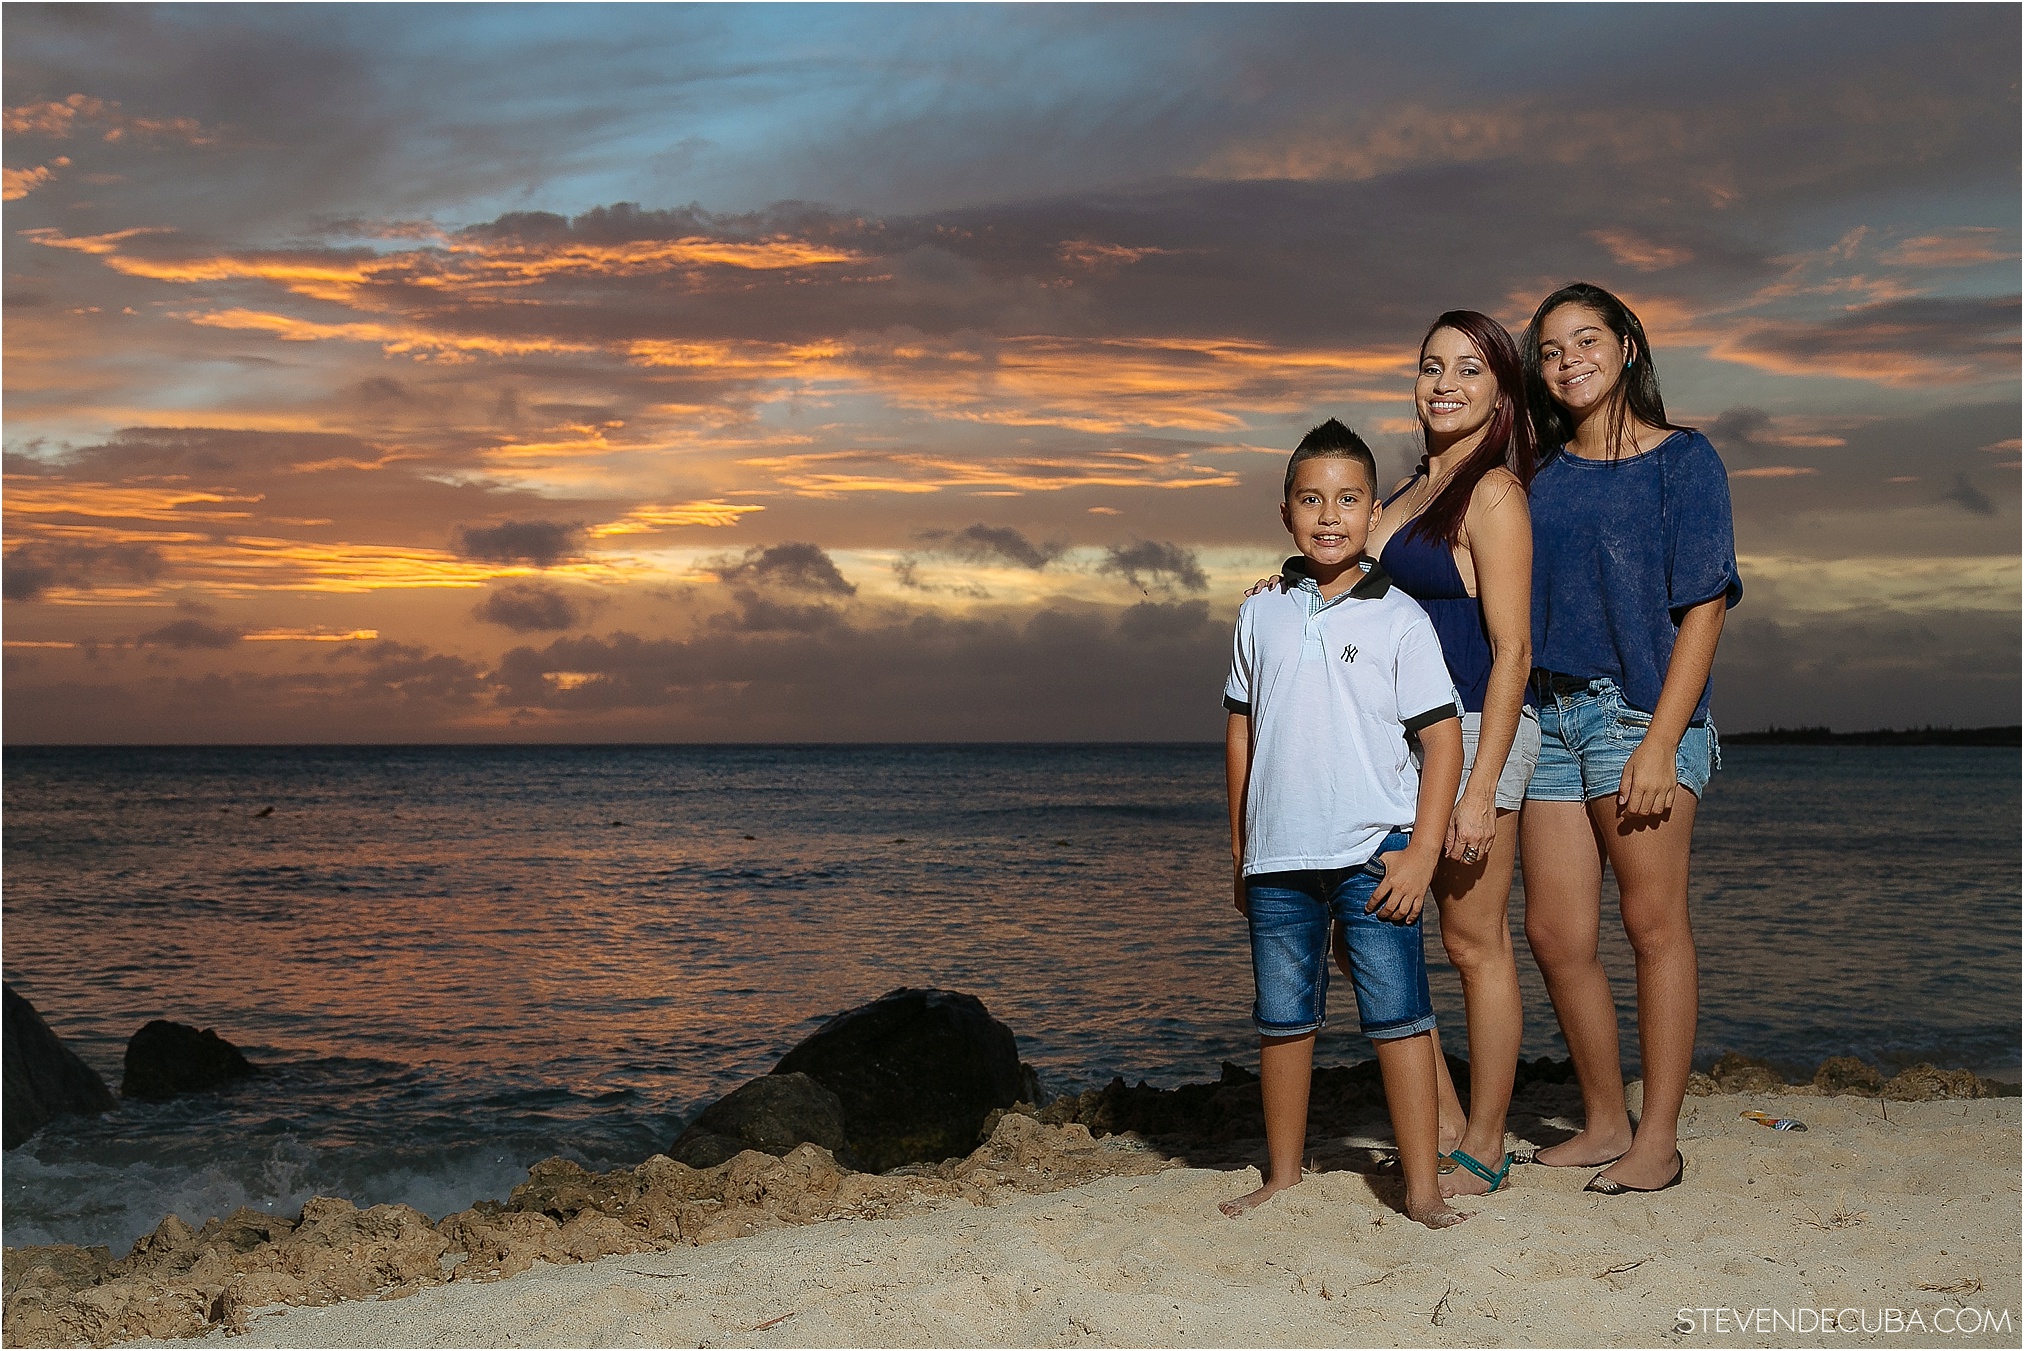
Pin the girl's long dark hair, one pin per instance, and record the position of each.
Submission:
(1636, 395)
(1509, 440)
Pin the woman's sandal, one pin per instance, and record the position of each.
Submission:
(1496, 1179)
(1531, 1157)
(1603, 1186)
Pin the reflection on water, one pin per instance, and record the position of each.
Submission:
(459, 960)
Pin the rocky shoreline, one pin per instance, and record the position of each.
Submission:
(890, 1086)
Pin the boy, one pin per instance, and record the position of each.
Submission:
(1329, 679)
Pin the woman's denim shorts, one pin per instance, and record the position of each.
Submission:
(1518, 765)
(1291, 914)
(1586, 738)
(1517, 771)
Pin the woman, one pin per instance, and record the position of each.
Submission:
(1457, 538)
(1634, 567)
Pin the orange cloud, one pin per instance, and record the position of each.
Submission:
(647, 519)
(309, 636)
(1101, 385)
(832, 473)
(1094, 255)
(1636, 252)
(1964, 247)
(18, 183)
(50, 237)
(393, 339)
(459, 266)
(1773, 471)
(1401, 139)
(28, 497)
(1920, 341)
(83, 112)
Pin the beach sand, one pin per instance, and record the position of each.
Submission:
(1903, 1206)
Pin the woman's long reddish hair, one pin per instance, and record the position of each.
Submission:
(1509, 441)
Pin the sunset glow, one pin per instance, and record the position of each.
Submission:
(730, 355)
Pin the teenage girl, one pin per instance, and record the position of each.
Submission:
(1634, 567)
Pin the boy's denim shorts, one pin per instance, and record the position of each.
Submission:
(1291, 914)
(1586, 737)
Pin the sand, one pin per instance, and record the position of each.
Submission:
(1878, 1207)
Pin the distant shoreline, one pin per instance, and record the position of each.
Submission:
(2011, 735)
(1909, 736)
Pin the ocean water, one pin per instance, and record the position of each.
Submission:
(453, 962)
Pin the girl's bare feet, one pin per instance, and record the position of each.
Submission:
(1585, 1150)
(1647, 1168)
(1252, 1200)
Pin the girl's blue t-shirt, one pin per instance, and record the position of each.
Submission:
(1621, 549)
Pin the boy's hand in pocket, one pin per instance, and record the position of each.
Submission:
(1408, 872)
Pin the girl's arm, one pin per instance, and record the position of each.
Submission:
(1237, 775)
(1652, 775)
(1499, 537)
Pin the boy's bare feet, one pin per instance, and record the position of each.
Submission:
(1435, 1215)
(1585, 1150)
(1252, 1200)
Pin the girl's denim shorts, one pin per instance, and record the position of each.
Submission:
(1291, 916)
(1586, 737)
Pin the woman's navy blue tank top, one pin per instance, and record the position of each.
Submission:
(1425, 570)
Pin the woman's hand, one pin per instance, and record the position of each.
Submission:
(1243, 894)
(1262, 584)
(1650, 778)
(1472, 830)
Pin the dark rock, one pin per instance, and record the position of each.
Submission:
(44, 1079)
(1203, 1120)
(1846, 1074)
(772, 1114)
(165, 1059)
(917, 1071)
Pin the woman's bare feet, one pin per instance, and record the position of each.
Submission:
(1586, 1150)
(1434, 1214)
(1252, 1200)
(1464, 1181)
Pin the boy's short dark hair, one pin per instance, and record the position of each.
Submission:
(1333, 441)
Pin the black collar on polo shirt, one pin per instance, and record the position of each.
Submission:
(1372, 585)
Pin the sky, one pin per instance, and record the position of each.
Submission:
(397, 373)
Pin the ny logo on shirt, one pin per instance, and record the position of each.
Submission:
(1349, 652)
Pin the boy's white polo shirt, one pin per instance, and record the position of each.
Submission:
(1332, 688)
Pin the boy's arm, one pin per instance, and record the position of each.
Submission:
(1237, 775)
(1410, 871)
